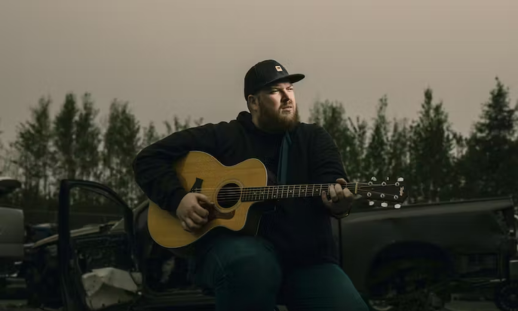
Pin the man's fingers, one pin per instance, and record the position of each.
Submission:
(341, 181)
(348, 194)
(326, 201)
(200, 211)
(339, 192)
(184, 225)
(191, 225)
(332, 192)
(203, 198)
(197, 219)
(192, 222)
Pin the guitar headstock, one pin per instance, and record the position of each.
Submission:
(388, 193)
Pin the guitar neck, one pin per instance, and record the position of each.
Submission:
(254, 194)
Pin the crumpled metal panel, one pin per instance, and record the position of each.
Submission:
(110, 286)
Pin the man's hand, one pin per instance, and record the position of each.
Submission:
(341, 199)
(191, 213)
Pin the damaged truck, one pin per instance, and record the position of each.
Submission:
(12, 233)
(415, 255)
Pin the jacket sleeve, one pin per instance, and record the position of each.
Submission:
(153, 166)
(325, 161)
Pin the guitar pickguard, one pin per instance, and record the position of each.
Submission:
(197, 185)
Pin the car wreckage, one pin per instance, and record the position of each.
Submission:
(418, 254)
(12, 233)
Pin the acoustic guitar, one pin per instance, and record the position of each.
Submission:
(237, 192)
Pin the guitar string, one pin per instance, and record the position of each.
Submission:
(233, 197)
(353, 186)
(259, 200)
(325, 184)
(271, 190)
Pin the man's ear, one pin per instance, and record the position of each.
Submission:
(252, 103)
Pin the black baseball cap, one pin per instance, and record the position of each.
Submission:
(265, 73)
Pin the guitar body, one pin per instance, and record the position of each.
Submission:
(208, 176)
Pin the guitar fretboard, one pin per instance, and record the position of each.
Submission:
(283, 192)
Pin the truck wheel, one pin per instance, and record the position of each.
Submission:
(407, 284)
(506, 297)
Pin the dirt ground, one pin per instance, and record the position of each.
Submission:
(18, 305)
(15, 302)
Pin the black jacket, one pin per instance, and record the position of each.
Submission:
(299, 228)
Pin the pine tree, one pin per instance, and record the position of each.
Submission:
(87, 141)
(431, 156)
(1, 143)
(121, 145)
(490, 164)
(64, 138)
(376, 163)
(179, 126)
(331, 116)
(398, 150)
(150, 135)
(356, 154)
(3, 156)
(34, 152)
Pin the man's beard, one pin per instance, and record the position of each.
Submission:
(273, 121)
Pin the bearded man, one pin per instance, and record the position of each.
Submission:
(293, 256)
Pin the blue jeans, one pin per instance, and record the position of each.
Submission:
(245, 274)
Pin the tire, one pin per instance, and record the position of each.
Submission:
(506, 296)
(408, 284)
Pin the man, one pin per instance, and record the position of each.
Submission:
(293, 257)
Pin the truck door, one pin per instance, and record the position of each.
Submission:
(96, 261)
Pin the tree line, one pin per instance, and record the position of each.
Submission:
(438, 163)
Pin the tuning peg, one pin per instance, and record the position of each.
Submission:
(373, 178)
(397, 206)
(388, 178)
(400, 179)
(371, 203)
(384, 204)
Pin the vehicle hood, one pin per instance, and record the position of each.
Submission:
(73, 233)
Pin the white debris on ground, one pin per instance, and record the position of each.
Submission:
(109, 286)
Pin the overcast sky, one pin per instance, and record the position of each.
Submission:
(189, 57)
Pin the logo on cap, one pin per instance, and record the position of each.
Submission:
(278, 68)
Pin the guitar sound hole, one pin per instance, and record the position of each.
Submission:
(229, 195)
